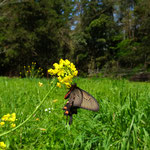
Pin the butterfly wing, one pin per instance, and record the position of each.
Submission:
(88, 101)
(76, 97)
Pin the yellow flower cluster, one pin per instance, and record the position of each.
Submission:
(40, 84)
(32, 71)
(65, 72)
(33, 63)
(8, 118)
(2, 145)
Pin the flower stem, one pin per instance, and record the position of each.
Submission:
(2, 134)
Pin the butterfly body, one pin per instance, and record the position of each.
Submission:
(79, 98)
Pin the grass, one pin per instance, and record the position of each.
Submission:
(123, 121)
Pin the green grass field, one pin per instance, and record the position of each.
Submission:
(123, 121)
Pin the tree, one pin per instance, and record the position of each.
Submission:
(33, 32)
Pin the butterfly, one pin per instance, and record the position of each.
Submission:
(78, 98)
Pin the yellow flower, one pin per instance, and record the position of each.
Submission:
(75, 73)
(2, 145)
(55, 71)
(13, 125)
(72, 66)
(40, 84)
(68, 78)
(67, 62)
(65, 72)
(61, 61)
(2, 123)
(12, 118)
(56, 65)
(13, 115)
(68, 84)
(58, 85)
(37, 119)
(50, 71)
(59, 79)
(42, 129)
(55, 100)
(5, 117)
(61, 73)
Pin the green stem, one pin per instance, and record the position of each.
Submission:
(29, 115)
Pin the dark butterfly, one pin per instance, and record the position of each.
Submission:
(79, 98)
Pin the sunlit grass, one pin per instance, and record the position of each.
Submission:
(123, 121)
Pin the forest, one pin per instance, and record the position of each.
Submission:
(109, 36)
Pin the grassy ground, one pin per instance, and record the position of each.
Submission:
(123, 121)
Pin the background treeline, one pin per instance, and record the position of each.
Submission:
(108, 35)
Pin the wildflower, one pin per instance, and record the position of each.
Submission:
(24, 66)
(67, 62)
(9, 117)
(5, 117)
(55, 100)
(2, 145)
(67, 84)
(48, 109)
(75, 73)
(37, 119)
(12, 118)
(61, 61)
(2, 123)
(50, 71)
(13, 125)
(40, 84)
(56, 65)
(65, 72)
(58, 85)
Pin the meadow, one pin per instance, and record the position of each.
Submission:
(122, 123)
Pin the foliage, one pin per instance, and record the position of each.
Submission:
(34, 31)
(123, 121)
(92, 34)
